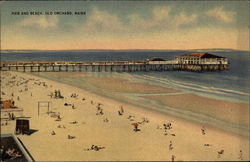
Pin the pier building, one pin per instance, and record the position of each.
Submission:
(200, 58)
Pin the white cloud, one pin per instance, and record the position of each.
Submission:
(103, 21)
(41, 21)
(158, 19)
(135, 21)
(161, 12)
(220, 14)
(161, 18)
(184, 19)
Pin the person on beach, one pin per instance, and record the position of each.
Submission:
(145, 120)
(241, 155)
(170, 147)
(136, 125)
(105, 120)
(172, 158)
(220, 153)
(119, 113)
(53, 133)
(167, 126)
(51, 95)
(98, 107)
(58, 117)
(74, 122)
(11, 116)
(203, 129)
(95, 148)
(122, 110)
(55, 94)
(71, 137)
(101, 112)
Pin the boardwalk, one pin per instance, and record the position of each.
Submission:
(107, 66)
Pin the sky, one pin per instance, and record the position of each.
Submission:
(125, 25)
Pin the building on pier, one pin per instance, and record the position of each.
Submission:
(201, 58)
(160, 61)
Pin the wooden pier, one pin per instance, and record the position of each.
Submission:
(118, 66)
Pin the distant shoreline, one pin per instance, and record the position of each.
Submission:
(210, 49)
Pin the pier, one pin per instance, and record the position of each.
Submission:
(188, 62)
(119, 66)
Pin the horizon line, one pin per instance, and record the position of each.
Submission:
(118, 49)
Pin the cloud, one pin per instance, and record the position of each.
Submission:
(183, 19)
(135, 21)
(158, 19)
(220, 14)
(41, 21)
(162, 19)
(103, 21)
(161, 13)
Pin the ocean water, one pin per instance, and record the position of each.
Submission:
(231, 85)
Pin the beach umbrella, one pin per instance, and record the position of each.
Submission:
(135, 124)
(221, 151)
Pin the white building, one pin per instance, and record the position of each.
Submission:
(201, 58)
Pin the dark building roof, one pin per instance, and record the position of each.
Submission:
(200, 55)
(156, 59)
(9, 141)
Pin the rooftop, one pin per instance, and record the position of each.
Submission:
(200, 55)
(156, 59)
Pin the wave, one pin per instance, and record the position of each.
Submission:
(192, 86)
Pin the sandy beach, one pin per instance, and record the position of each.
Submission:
(225, 110)
(91, 119)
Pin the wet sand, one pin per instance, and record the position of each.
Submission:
(121, 142)
(123, 85)
(228, 111)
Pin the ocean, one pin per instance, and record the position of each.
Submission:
(231, 85)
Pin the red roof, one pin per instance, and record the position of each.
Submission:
(200, 55)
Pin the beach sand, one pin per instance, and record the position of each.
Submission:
(225, 110)
(119, 84)
(121, 142)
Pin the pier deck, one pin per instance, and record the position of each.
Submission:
(108, 66)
